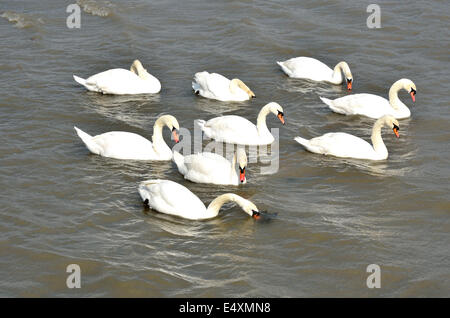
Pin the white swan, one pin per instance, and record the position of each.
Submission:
(119, 81)
(169, 197)
(349, 146)
(238, 130)
(207, 167)
(216, 86)
(310, 68)
(126, 145)
(374, 106)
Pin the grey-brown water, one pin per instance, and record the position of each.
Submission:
(61, 205)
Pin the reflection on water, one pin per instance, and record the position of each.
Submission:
(300, 86)
(135, 111)
(208, 106)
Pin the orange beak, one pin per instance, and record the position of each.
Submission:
(413, 96)
(396, 132)
(281, 118)
(241, 174)
(349, 85)
(256, 215)
(175, 136)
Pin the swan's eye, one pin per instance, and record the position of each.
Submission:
(349, 80)
(241, 169)
(413, 91)
(280, 113)
(255, 214)
(396, 127)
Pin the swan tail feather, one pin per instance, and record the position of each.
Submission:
(302, 141)
(88, 85)
(327, 101)
(88, 141)
(284, 68)
(196, 87)
(79, 80)
(144, 190)
(330, 104)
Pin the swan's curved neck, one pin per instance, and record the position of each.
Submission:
(337, 73)
(261, 121)
(377, 140)
(394, 101)
(157, 129)
(237, 85)
(140, 71)
(159, 145)
(214, 207)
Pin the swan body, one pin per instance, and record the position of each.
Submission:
(169, 197)
(126, 145)
(238, 130)
(207, 167)
(119, 81)
(312, 69)
(375, 106)
(349, 146)
(216, 86)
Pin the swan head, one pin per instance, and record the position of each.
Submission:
(410, 87)
(172, 123)
(247, 206)
(392, 123)
(277, 110)
(242, 162)
(236, 84)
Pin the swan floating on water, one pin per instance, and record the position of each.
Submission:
(119, 81)
(312, 69)
(126, 145)
(375, 106)
(349, 146)
(172, 198)
(207, 167)
(238, 130)
(216, 86)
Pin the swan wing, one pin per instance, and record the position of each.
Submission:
(307, 67)
(231, 129)
(208, 167)
(212, 85)
(125, 145)
(169, 197)
(341, 145)
(369, 105)
(120, 81)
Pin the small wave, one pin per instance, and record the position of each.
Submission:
(21, 20)
(101, 9)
